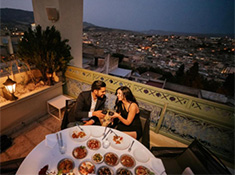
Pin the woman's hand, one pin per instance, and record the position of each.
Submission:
(115, 115)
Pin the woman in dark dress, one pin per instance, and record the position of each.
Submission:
(127, 111)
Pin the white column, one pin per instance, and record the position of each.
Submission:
(71, 26)
(107, 64)
(10, 48)
(70, 23)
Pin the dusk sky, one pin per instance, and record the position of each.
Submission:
(191, 16)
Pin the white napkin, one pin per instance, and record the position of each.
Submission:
(187, 171)
(157, 165)
(51, 140)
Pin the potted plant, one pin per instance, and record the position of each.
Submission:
(46, 50)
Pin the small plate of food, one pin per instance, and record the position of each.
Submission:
(86, 168)
(79, 152)
(123, 171)
(140, 170)
(127, 161)
(111, 159)
(118, 141)
(97, 158)
(93, 144)
(104, 170)
(65, 166)
(78, 135)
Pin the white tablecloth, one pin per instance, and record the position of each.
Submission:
(47, 153)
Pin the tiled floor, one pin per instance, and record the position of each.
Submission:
(28, 137)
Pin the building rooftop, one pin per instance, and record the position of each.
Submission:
(155, 84)
(119, 72)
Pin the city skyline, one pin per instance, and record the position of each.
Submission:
(194, 16)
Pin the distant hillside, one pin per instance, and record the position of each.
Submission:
(91, 27)
(18, 16)
(161, 32)
(14, 18)
(86, 24)
(21, 19)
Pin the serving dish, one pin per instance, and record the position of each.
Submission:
(97, 158)
(65, 165)
(93, 144)
(118, 142)
(79, 152)
(127, 161)
(123, 171)
(104, 170)
(111, 159)
(78, 135)
(140, 170)
(141, 155)
(86, 167)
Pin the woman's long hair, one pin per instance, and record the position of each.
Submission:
(127, 94)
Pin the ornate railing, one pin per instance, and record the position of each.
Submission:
(174, 115)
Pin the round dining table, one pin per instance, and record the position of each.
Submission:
(48, 153)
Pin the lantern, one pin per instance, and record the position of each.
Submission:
(10, 86)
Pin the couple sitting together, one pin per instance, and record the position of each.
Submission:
(90, 104)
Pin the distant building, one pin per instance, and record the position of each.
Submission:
(151, 75)
(213, 96)
(95, 59)
(113, 69)
(228, 70)
(93, 50)
(119, 72)
(149, 78)
(159, 83)
(199, 93)
(182, 89)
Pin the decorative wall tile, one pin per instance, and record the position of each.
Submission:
(74, 87)
(153, 92)
(213, 110)
(110, 101)
(155, 112)
(216, 138)
(111, 81)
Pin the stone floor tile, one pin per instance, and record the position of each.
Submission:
(51, 124)
(37, 134)
(163, 141)
(45, 117)
(179, 144)
(20, 144)
(26, 128)
(29, 136)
